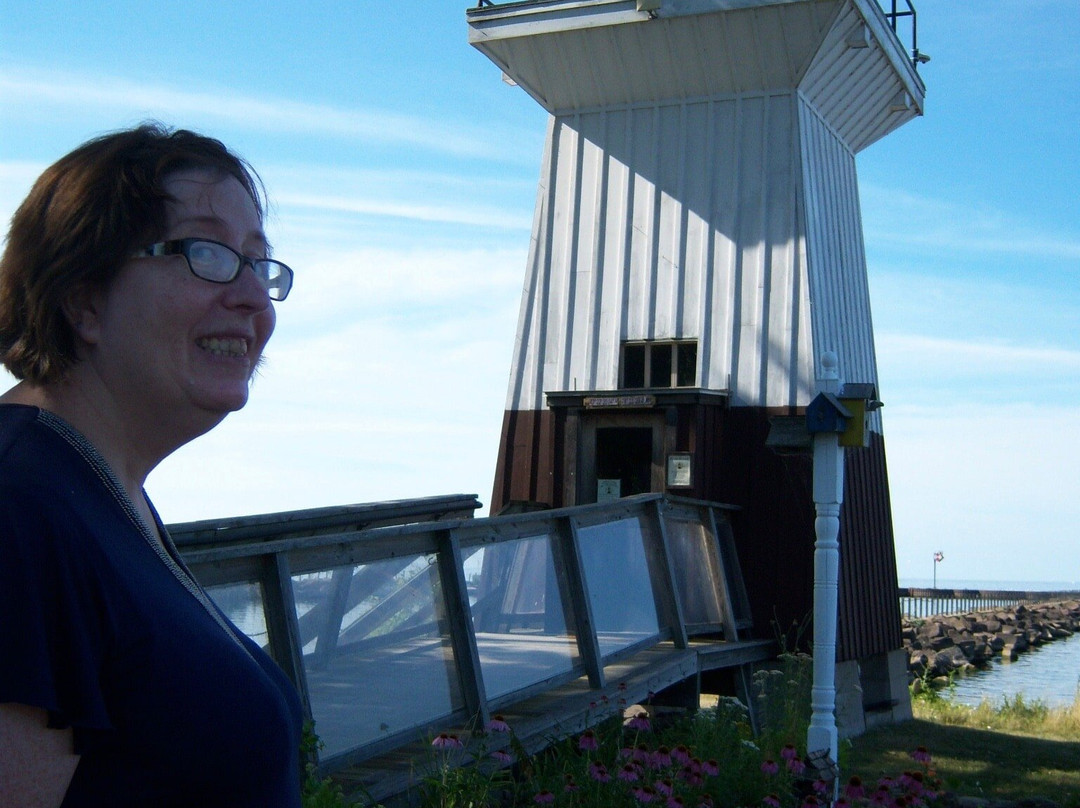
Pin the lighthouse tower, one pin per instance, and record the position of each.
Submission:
(696, 248)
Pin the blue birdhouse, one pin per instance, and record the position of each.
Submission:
(826, 414)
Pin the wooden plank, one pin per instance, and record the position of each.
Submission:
(462, 636)
(282, 627)
(574, 573)
(313, 521)
(671, 602)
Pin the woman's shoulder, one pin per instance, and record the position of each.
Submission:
(46, 490)
(32, 453)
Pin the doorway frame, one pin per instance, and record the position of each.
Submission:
(590, 422)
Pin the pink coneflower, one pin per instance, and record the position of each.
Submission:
(711, 767)
(771, 801)
(854, 789)
(599, 772)
(913, 782)
(675, 802)
(497, 724)
(628, 773)
(664, 787)
(544, 797)
(622, 686)
(810, 801)
(446, 740)
(770, 766)
(661, 758)
(640, 722)
(706, 801)
(588, 741)
(691, 775)
(921, 755)
(502, 756)
(819, 786)
(644, 794)
(570, 785)
(796, 766)
(881, 796)
(841, 803)
(788, 752)
(642, 754)
(681, 754)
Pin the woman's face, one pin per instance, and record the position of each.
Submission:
(169, 345)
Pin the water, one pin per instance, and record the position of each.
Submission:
(1049, 673)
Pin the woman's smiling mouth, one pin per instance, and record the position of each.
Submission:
(224, 346)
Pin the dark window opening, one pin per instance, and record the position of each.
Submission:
(687, 364)
(659, 364)
(633, 366)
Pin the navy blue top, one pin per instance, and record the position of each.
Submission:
(103, 628)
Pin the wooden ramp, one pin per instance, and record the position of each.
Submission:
(398, 621)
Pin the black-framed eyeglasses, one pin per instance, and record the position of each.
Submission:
(219, 263)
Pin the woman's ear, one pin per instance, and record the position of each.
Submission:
(82, 310)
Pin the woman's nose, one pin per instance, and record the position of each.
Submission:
(248, 290)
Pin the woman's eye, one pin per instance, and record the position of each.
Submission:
(203, 253)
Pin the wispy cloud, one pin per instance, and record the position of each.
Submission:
(971, 357)
(371, 206)
(947, 225)
(38, 90)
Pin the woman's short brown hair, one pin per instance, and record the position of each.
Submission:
(83, 219)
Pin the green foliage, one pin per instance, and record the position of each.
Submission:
(977, 761)
(1016, 714)
(315, 791)
(929, 690)
(708, 759)
(782, 696)
(469, 773)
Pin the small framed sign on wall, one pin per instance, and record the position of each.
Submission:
(679, 470)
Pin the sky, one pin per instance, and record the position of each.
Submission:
(402, 175)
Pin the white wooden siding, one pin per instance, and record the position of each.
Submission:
(699, 183)
(702, 240)
(839, 290)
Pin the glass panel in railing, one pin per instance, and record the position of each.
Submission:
(243, 604)
(522, 632)
(615, 559)
(376, 650)
(696, 566)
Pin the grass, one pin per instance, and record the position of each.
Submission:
(1014, 751)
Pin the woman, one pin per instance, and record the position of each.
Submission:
(135, 303)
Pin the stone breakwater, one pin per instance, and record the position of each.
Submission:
(943, 645)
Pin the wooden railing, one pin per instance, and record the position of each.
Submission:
(919, 603)
(424, 622)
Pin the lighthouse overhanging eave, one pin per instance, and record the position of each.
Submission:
(573, 56)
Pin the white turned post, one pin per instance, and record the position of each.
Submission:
(828, 495)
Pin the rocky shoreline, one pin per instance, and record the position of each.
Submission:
(941, 646)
